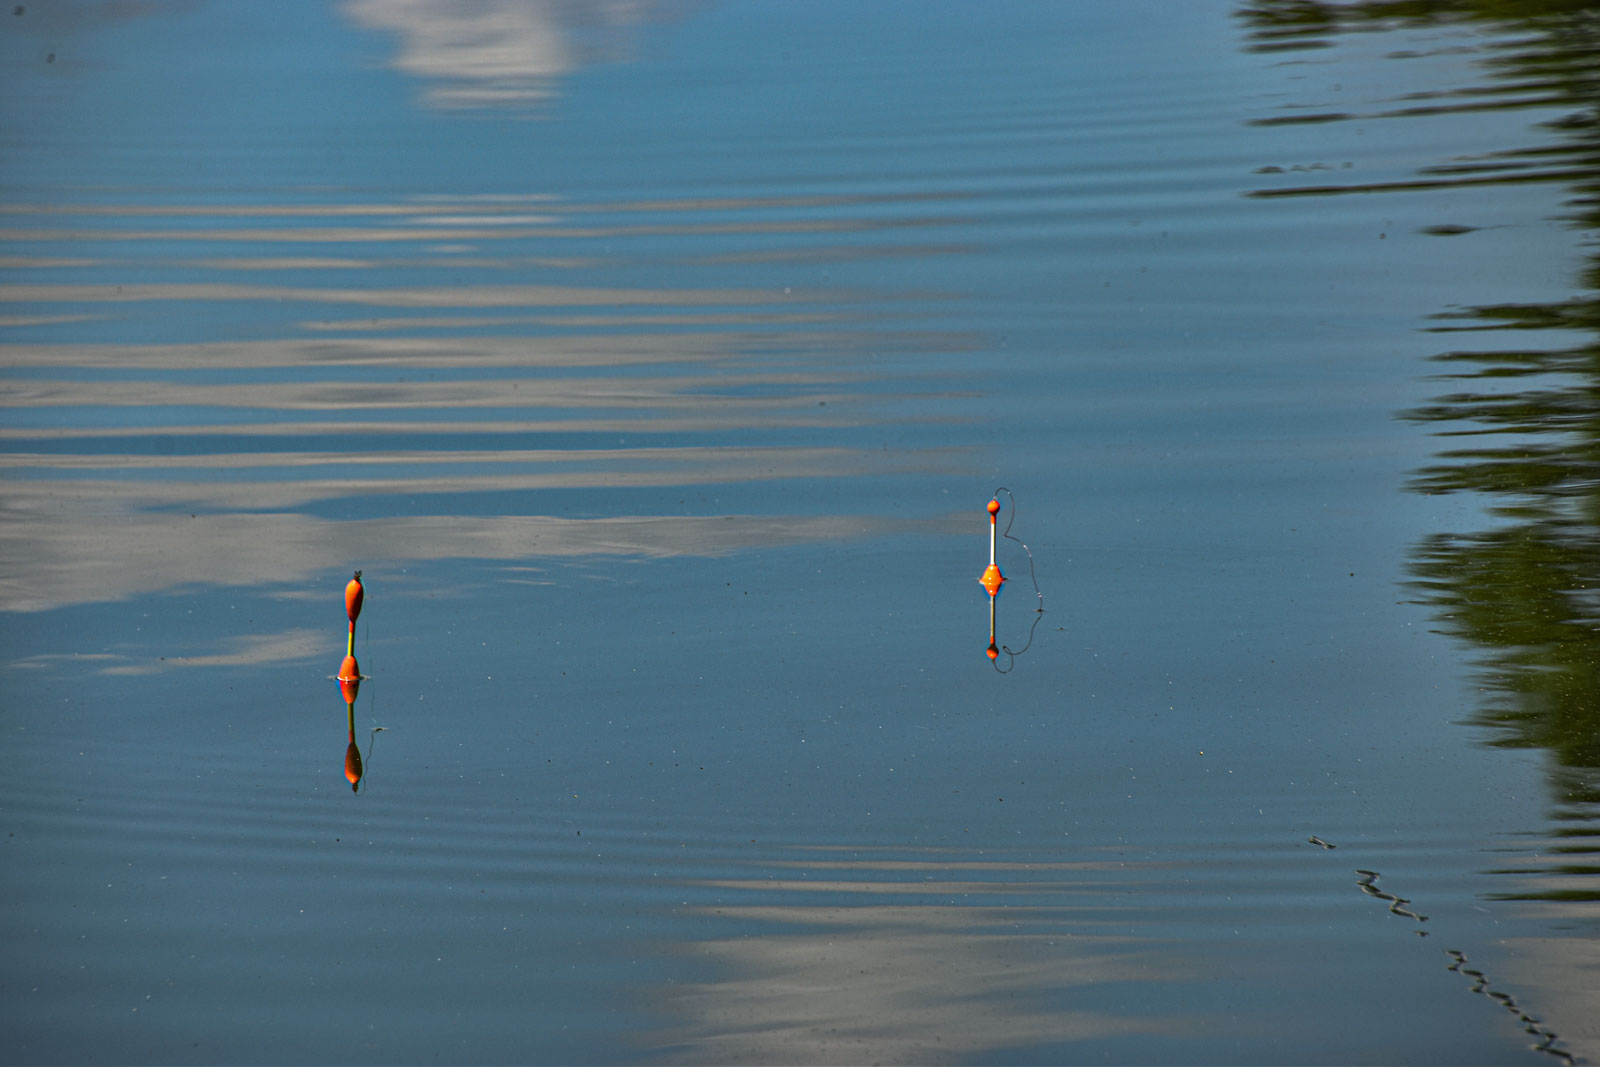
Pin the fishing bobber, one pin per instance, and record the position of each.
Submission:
(349, 679)
(353, 595)
(992, 578)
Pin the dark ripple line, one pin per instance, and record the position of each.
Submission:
(1368, 883)
(1545, 1038)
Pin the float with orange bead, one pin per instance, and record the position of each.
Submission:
(993, 580)
(350, 678)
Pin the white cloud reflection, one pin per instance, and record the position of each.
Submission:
(902, 985)
(844, 978)
(141, 460)
(108, 554)
(503, 53)
(243, 650)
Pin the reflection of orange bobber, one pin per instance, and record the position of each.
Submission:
(352, 756)
(349, 686)
(352, 766)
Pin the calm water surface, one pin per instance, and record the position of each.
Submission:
(655, 362)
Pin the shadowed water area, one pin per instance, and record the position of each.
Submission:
(654, 363)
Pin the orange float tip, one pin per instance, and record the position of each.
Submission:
(994, 509)
(994, 653)
(992, 579)
(353, 595)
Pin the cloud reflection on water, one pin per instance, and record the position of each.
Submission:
(568, 350)
(111, 554)
(631, 393)
(902, 985)
(451, 296)
(499, 53)
(245, 650)
(140, 464)
(972, 966)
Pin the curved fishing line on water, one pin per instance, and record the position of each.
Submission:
(1011, 517)
(1013, 653)
(372, 701)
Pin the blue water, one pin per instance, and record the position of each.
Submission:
(655, 364)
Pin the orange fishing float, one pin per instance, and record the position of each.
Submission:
(349, 673)
(992, 581)
(349, 679)
(992, 578)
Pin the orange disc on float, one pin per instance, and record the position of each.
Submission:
(994, 508)
(992, 578)
(994, 653)
(353, 595)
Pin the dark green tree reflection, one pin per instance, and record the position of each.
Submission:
(1521, 417)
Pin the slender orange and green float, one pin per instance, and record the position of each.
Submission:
(350, 670)
(992, 578)
(350, 679)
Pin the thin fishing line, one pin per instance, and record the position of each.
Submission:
(1013, 653)
(372, 697)
(1011, 517)
(372, 705)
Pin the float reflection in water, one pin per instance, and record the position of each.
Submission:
(993, 580)
(350, 679)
